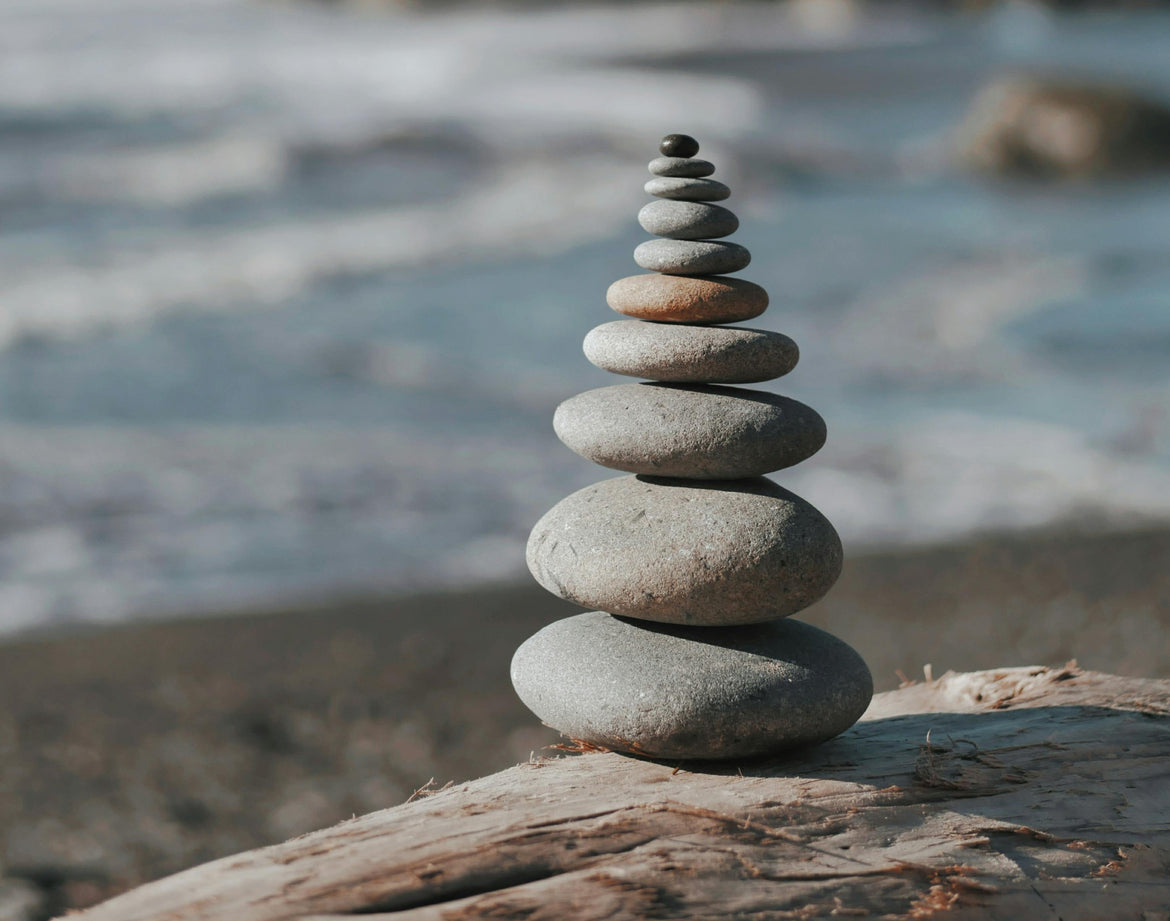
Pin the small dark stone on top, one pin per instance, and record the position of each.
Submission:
(679, 145)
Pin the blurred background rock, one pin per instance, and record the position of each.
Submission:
(1064, 130)
(289, 291)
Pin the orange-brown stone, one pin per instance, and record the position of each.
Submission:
(683, 299)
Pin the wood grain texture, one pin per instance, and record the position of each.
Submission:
(1014, 793)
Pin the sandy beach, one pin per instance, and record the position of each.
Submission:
(133, 752)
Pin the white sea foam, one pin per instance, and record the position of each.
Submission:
(520, 208)
(954, 474)
(105, 525)
(946, 323)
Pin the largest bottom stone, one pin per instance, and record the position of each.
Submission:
(671, 691)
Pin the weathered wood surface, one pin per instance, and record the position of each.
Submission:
(1008, 794)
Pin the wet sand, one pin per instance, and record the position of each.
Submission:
(130, 753)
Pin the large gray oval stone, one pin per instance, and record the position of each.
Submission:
(690, 354)
(687, 189)
(686, 552)
(681, 167)
(691, 692)
(691, 257)
(689, 430)
(687, 220)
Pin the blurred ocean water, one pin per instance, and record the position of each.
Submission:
(288, 293)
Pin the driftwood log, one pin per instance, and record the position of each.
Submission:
(1010, 794)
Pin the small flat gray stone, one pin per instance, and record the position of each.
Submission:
(682, 189)
(690, 354)
(686, 552)
(687, 220)
(681, 167)
(691, 257)
(691, 692)
(693, 431)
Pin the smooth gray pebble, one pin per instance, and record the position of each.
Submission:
(711, 553)
(691, 257)
(691, 693)
(687, 220)
(687, 189)
(681, 167)
(681, 353)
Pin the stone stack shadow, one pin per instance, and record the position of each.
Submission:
(696, 560)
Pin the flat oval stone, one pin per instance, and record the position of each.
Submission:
(687, 220)
(690, 354)
(681, 167)
(691, 257)
(686, 552)
(691, 692)
(693, 431)
(683, 189)
(683, 299)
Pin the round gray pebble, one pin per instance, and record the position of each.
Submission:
(691, 257)
(690, 354)
(682, 189)
(693, 431)
(691, 693)
(681, 167)
(686, 552)
(687, 220)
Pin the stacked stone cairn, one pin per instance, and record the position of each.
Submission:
(695, 561)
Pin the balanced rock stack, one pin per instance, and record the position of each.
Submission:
(694, 562)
